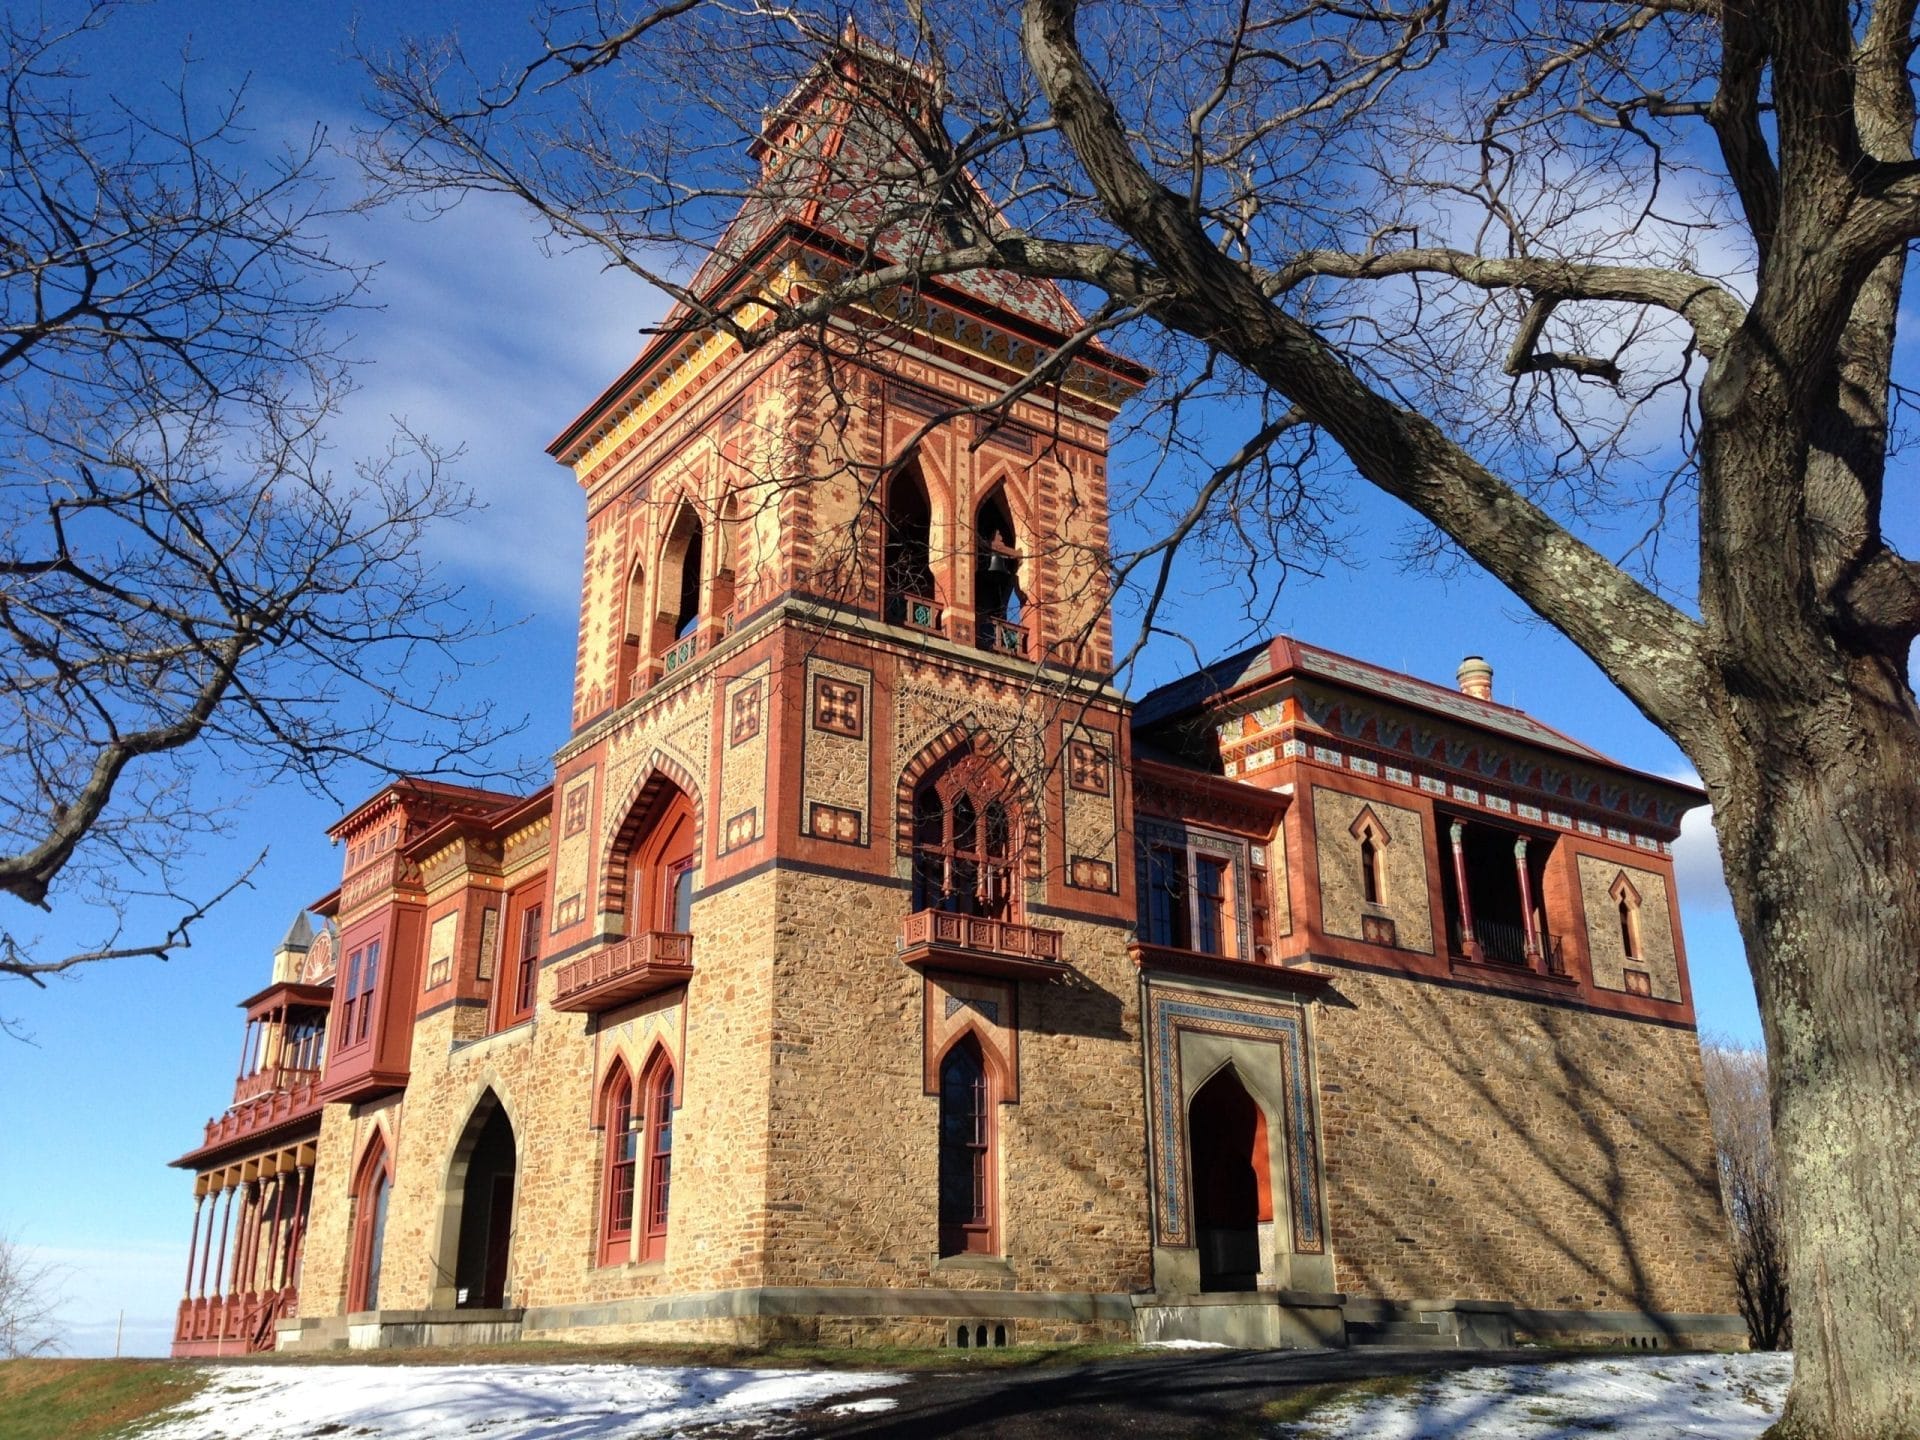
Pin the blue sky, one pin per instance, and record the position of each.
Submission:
(487, 342)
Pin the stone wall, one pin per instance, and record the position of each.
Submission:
(852, 1192)
(1404, 897)
(1658, 957)
(1480, 1147)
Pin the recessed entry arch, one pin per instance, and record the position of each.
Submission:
(473, 1262)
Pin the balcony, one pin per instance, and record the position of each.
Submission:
(682, 653)
(269, 1111)
(917, 612)
(265, 1082)
(627, 970)
(948, 940)
(1497, 944)
(231, 1324)
(1002, 637)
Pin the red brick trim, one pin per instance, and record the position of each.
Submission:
(636, 809)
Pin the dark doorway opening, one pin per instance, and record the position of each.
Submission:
(486, 1215)
(1232, 1185)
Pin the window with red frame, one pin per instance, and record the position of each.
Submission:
(622, 1165)
(369, 981)
(963, 842)
(525, 975)
(1184, 900)
(1165, 898)
(1210, 904)
(659, 1178)
(966, 1152)
(356, 1009)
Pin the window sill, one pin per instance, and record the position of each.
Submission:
(996, 1264)
(634, 1267)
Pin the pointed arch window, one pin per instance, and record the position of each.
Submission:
(657, 1191)
(1626, 901)
(370, 1198)
(661, 861)
(998, 601)
(678, 591)
(966, 1173)
(908, 576)
(620, 1165)
(630, 678)
(964, 841)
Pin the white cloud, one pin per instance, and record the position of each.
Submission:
(1696, 860)
(487, 342)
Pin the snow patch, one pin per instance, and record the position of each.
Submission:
(1186, 1345)
(1702, 1397)
(873, 1406)
(503, 1402)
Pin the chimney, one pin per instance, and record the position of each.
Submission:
(1476, 678)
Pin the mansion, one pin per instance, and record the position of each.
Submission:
(873, 971)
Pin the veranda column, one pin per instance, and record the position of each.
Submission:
(256, 1232)
(302, 1199)
(226, 1218)
(193, 1244)
(1526, 898)
(276, 1252)
(1458, 834)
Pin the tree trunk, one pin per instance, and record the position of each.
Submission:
(1819, 814)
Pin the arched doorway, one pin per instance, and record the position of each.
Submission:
(1232, 1182)
(482, 1176)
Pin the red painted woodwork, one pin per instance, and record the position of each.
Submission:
(966, 1151)
(518, 978)
(370, 1197)
(493, 1290)
(371, 1030)
(657, 1184)
(272, 1115)
(624, 971)
(977, 945)
(231, 1324)
(621, 1163)
(1276, 975)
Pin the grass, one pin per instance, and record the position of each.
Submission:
(89, 1399)
(95, 1399)
(1315, 1402)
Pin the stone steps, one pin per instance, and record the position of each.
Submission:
(1400, 1334)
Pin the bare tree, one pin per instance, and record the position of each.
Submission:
(29, 1302)
(185, 581)
(1607, 293)
(1750, 1185)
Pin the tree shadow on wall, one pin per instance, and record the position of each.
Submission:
(1550, 1177)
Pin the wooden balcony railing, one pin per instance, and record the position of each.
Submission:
(265, 1112)
(948, 940)
(274, 1077)
(626, 970)
(232, 1324)
(917, 612)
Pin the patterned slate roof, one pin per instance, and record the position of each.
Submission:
(1285, 655)
(838, 162)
